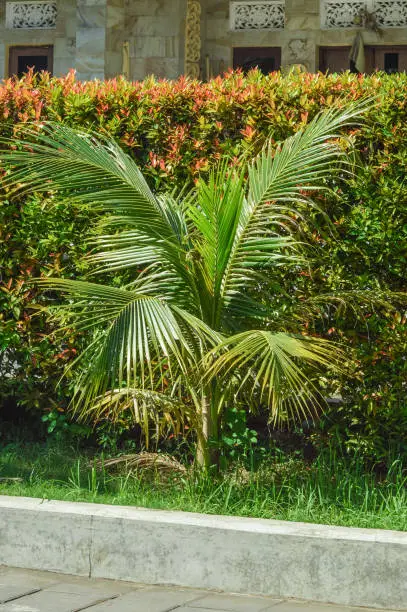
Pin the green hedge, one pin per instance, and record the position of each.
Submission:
(176, 130)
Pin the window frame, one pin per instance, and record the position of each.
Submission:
(16, 51)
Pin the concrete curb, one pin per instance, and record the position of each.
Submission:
(357, 567)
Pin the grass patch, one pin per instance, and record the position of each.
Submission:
(331, 490)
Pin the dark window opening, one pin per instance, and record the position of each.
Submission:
(391, 63)
(21, 59)
(266, 65)
(266, 59)
(37, 62)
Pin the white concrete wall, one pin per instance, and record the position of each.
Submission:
(356, 567)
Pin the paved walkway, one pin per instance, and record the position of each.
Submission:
(26, 591)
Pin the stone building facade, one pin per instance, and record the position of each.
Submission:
(105, 38)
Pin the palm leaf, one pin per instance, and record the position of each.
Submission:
(358, 303)
(140, 337)
(273, 364)
(94, 171)
(217, 216)
(244, 234)
(130, 246)
(91, 169)
(151, 410)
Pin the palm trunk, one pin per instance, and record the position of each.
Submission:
(207, 455)
(203, 451)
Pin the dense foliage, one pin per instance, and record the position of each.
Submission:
(175, 131)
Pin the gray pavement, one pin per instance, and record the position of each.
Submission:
(28, 591)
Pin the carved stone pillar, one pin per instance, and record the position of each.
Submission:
(193, 39)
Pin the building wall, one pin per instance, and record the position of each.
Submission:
(90, 35)
(154, 29)
(299, 41)
(63, 38)
(91, 16)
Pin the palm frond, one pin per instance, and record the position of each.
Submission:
(156, 413)
(359, 304)
(275, 365)
(124, 250)
(217, 217)
(140, 338)
(95, 171)
(160, 464)
(90, 169)
(131, 246)
(278, 181)
(214, 213)
(304, 160)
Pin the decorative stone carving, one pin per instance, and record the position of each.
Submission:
(299, 49)
(340, 13)
(31, 15)
(193, 39)
(344, 13)
(391, 13)
(269, 15)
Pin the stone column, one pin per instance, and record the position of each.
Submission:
(91, 39)
(65, 37)
(115, 38)
(193, 41)
(301, 34)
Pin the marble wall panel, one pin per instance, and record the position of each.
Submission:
(155, 30)
(90, 39)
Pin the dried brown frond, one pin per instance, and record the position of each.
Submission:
(160, 464)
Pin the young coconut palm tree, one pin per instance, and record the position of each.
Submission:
(194, 329)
